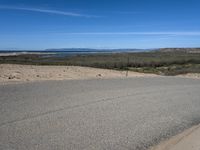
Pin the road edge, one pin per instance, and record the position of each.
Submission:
(178, 140)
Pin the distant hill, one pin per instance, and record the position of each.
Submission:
(186, 50)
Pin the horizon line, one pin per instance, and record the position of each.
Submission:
(191, 33)
(24, 49)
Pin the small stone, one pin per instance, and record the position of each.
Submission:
(11, 77)
(99, 75)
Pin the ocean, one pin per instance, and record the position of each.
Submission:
(62, 53)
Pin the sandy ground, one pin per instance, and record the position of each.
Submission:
(191, 75)
(187, 140)
(10, 73)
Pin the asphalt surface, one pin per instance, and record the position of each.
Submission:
(113, 114)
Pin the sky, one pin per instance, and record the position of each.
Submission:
(43, 24)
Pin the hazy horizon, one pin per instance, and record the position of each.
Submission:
(82, 48)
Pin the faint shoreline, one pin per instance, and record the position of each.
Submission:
(24, 53)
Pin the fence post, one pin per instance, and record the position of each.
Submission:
(127, 67)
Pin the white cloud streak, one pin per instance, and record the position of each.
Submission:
(127, 12)
(139, 33)
(48, 11)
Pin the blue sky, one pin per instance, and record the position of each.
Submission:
(41, 24)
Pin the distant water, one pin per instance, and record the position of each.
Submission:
(61, 53)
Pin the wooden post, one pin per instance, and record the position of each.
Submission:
(127, 67)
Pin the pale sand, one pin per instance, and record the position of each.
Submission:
(10, 73)
(191, 75)
(187, 140)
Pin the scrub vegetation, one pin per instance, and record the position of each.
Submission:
(158, 62)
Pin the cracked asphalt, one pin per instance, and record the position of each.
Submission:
(110, 114)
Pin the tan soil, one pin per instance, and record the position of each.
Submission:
(10, 73)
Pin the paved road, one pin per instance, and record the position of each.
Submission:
(113, 114)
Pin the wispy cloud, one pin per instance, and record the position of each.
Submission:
(127, 12)
(49, 11)
(139, 33)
